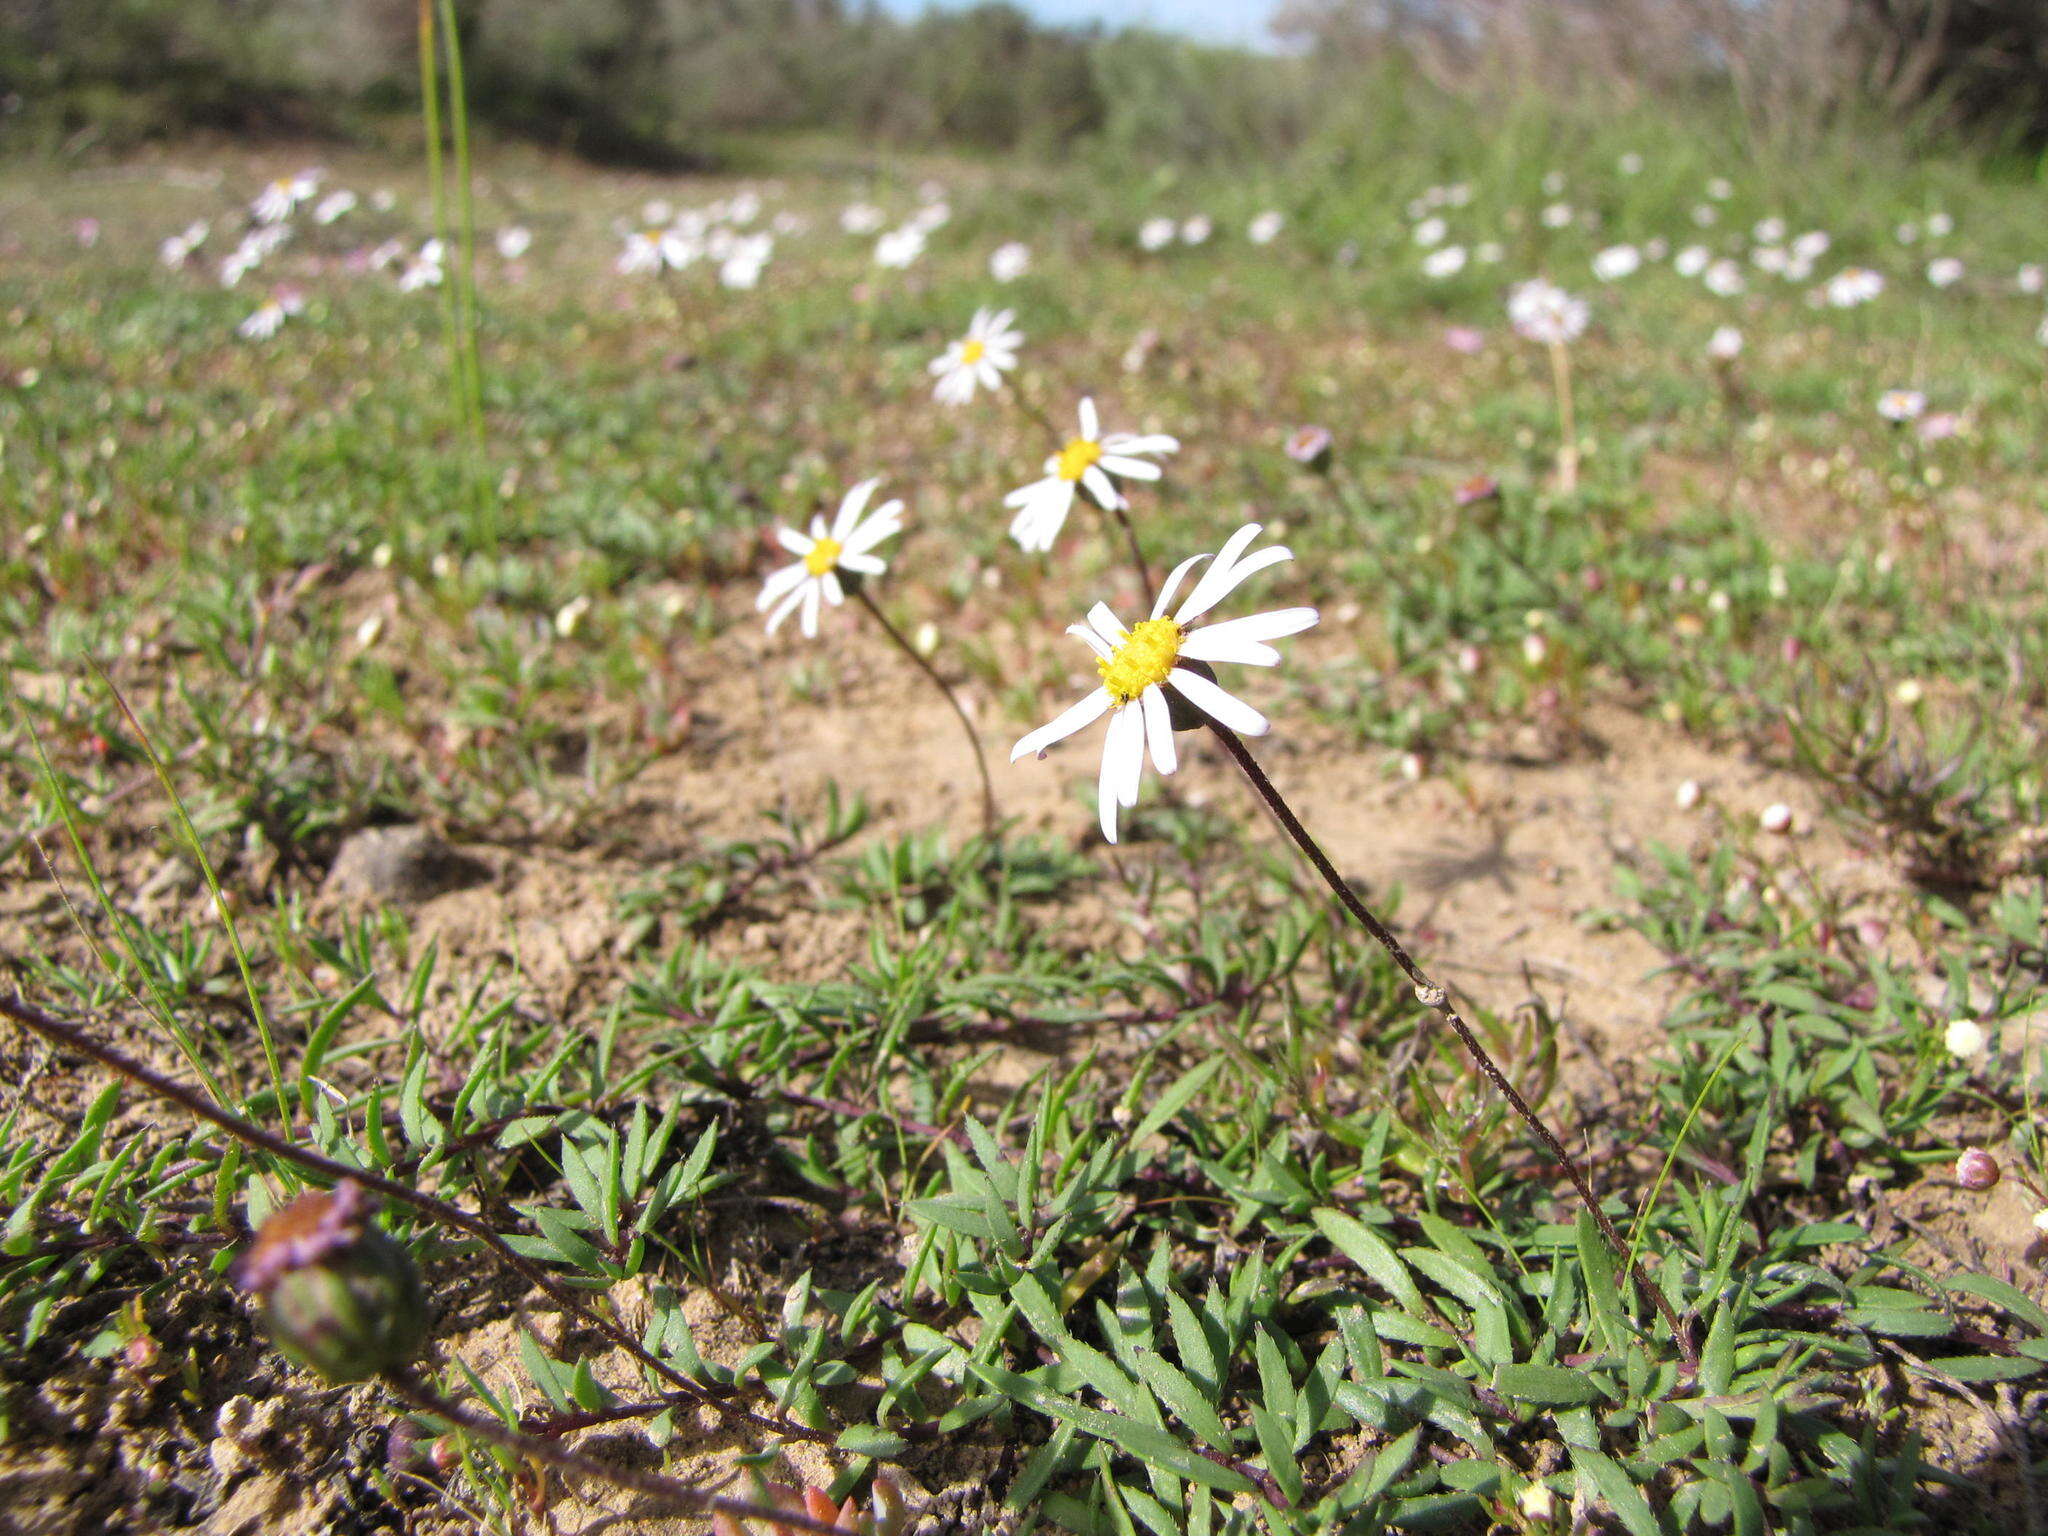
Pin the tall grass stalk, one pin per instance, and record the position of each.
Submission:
(437, 33)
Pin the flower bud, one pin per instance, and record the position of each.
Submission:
(1310, 447)
(336, 1293)
(1977, 1169)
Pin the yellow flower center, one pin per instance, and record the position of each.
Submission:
(823, 556)
(1077, 458)
(972, 351)
(1146, 656)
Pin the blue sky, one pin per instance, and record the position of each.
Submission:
(1222, 21)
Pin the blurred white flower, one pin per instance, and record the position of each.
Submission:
(1901, 405)
(513, 241)
(1725, 345)
(1264, 229)
(978, 359)
(1446, 261)
(1488, 252)
(1776, 817)
(1009, 261)
(1720, 189)
(1812, 245)
(931, 215)
(1631, 164)
(1139, 664)
(1705, 215)
(1431, 231)
(1553, 183)
(1768, 231)
(1853, 286)
(1545, 313)
(1557, 215)
(655, 249)
(1156, 234)
(1724, 278)
(743, 262)
(268, 317)
(1964, 1039)
(2031, 279)
(1617, 262)
(278, 201)
(900, 247)
(333, 206)
(860, 218)
(1196, 229)
(1940, 226)
(1691, 261)
(569, 617)
(1945, 271)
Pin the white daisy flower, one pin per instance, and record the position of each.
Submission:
(1724, 278)
(1631, 164)
(1725, 345)
(333, 206)
(813, 579)
(900, 247)
(860, 218)
(1265, 229)
(1009, 261)
(1901, 405)
(278, 201)
(1545, 313)
(1945, 271)
(1139, 664)
(513, 241)
(1617, 262)
(743, 262)
(1156, 234)
(654, 249)
(1445, 261)
(1853, 286)
(980, 358)
(1085, 462)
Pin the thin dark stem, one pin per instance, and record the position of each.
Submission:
(1123, 521)
(421, 1398)
(1434, 997)
(70, 1038)
(988, 791)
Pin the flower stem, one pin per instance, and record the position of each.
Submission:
(69, 1037)
(1434, 997)
(1567, 418)
(421, 1398)
(1123, 521)
(988, 792)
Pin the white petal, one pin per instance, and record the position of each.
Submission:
(1173, 582)
(865, 565)
(1091, 429)
(1131, 469)
(1242, 639)
(1123, 755)
(885, 523)
(1083, 714)
(834, 593)
(851, 508)
(1216, 704)
(1151, 442)
(793, 541)
(1107, 625)
(786, 607)
(1102, 488)
(1158, 729)
(779, 581)
(812, 591)
(1224, 577)
(1089, 638)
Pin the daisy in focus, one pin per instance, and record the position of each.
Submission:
(980, 358)
(812, 580)
(1086, 462)
(1139, 664)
